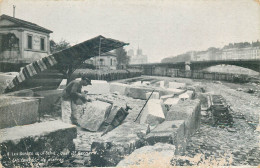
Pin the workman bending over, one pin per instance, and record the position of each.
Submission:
(72, 96)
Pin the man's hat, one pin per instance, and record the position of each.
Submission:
(86, 79)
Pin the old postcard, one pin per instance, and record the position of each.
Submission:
(120, 83)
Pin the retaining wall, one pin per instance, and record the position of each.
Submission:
(105, 75)
(196, 74)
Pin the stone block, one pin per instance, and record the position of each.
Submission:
(92, 114)
(22, 93)
(137, 83)
(66, 111)
(146, 83)
(155, 95)
(97, 87)
(165, 97)
(162, 84)
(48, 138)
(176, 85)
(18, 111)
(63, 84)
(187, 95)
(118, 87)
(175, 91)
(171, 132)
(51, 97)
(111, 148)
(189, 111)
(158, 155)
(137, 92)
(153, 113)
(171, 101)
(5, 79)
(112, 114)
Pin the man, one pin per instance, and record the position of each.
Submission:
(72, 96)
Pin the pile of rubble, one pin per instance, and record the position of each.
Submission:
(108, 128)
(162, 120)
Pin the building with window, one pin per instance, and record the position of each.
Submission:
(105, 61)
(241, 53)
(22, 41)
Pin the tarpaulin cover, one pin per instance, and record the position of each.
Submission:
(72, 56)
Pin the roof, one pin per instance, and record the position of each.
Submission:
(73, 56)
(23, 23)
(108, 54)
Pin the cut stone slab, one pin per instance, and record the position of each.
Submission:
(176, 85)
(171, 132)
(63, 84)
(175, 91)
(118, 87)
(22, 93)
(146, 83)
(53, 137)
(189, 111)
(112, 114)
(153, 113)
(97, 87)
(91, 115)
(51, 97)
(162, 84)
(159, 155)
(5, 79)
(165, 97)
(111, 148)
(187, 95)
(137, 83)
(155, 95)
(18, 111)
(66, 111)
(137, 92)
(171, 101)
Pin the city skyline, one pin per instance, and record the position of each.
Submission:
(161, 29)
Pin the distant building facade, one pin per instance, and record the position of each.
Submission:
(139, 58)
(228, 54)
(106, 61)
(22, 41)
(241, 53)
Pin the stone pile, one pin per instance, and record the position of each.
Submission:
(156, 124)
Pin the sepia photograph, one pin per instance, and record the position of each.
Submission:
(129, 83)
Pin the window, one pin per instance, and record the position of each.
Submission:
(101, 62)
(29, 41)
(42, 44)
(111, 61)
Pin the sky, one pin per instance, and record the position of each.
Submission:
(161, 28)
